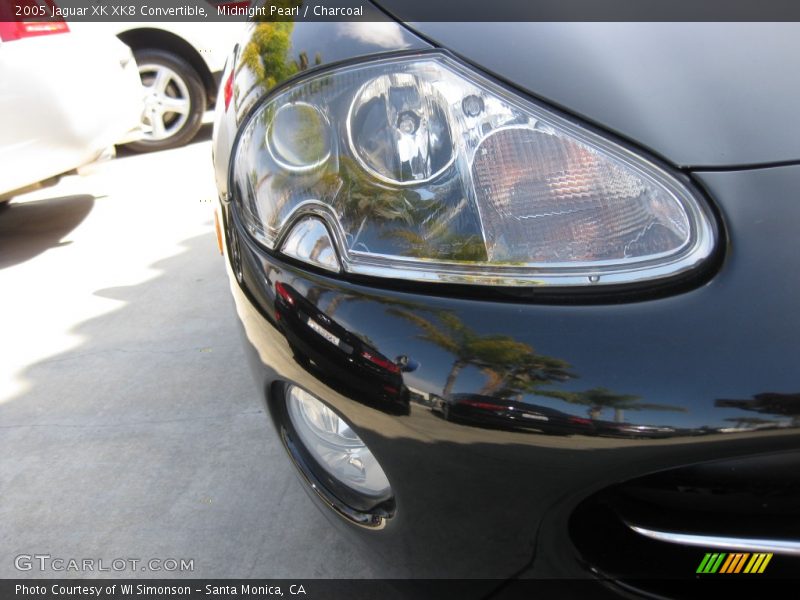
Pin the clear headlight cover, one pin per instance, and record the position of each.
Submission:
(425, 170)
(335, 446)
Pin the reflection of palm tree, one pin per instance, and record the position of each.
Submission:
(419, 227)
(600, 398)
(448, 246)
(751, 421)
(768, 403)
(526, 374)
(266, 54)
(514, 366)
(362, 198)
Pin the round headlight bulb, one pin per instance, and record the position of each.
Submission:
(399, 130)
(334, 445)
(299, 137)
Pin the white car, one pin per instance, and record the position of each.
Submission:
(180, 65)
(67, 96)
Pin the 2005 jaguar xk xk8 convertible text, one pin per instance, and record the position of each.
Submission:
(522, 298)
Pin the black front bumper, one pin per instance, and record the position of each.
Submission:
(483, 502)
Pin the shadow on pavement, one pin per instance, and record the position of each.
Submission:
(148, 440)
(29, 228)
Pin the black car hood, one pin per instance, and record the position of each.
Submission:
(697, 94)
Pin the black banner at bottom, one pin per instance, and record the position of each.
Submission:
(366, 589)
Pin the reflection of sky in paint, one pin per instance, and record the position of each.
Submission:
(383, 34)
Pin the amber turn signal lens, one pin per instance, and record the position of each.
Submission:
(219, 231)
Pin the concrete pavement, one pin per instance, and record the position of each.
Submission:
(129, 424)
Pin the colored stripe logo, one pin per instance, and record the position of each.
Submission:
(737, 562)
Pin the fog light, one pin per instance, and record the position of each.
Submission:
(334, 445)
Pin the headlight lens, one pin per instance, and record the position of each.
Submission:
(399, 131)
(334, 445)
(299, 137)
(425, 170)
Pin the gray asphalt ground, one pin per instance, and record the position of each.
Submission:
(129, 422)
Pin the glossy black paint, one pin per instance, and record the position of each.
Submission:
(655, 376)
(319, 343)
(478, 496)
(504, 413)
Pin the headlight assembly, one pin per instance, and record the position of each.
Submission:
(422, 169)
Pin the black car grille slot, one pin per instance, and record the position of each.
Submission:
(755, 498)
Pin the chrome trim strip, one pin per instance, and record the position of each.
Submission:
(730, 543)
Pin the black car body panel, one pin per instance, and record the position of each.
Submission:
(686, 370)
(319, 342)
(504, 413)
